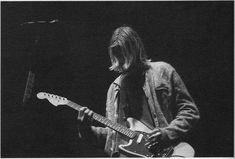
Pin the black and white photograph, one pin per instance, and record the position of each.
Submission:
(117, 79)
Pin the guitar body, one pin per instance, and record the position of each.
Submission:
(136, 146)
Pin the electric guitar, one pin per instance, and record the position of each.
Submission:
(137, 134)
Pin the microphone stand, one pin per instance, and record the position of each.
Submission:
(31, 74)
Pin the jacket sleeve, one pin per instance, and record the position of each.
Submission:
(187, 113)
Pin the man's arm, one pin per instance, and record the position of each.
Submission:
(187, 113)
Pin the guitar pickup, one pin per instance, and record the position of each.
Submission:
(139, 138)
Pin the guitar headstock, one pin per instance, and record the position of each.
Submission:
(53, 99)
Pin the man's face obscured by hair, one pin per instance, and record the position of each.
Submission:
(126, 50)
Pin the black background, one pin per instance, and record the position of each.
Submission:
(70, 58)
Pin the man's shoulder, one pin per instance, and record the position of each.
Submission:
(117, 80)
(115, 84)
(157, 67)
(160, 66)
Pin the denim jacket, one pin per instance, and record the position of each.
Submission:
(172, 108)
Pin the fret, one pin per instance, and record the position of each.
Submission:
(74, 105)
(125, 131)
(116, 127)
(121, 131)
(119, 128)
(129, 133)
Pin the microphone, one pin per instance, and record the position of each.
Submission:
(40, 22)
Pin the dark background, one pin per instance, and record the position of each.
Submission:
(70, 58)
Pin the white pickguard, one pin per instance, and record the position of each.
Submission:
(136, 125)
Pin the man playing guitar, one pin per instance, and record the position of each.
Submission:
(147, 97)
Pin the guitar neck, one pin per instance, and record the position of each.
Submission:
(105, 121)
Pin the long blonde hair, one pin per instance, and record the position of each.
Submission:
(126, 43)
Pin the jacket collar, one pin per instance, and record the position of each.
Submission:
(118, 82)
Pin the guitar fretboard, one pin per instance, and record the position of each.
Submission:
(103, 120)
